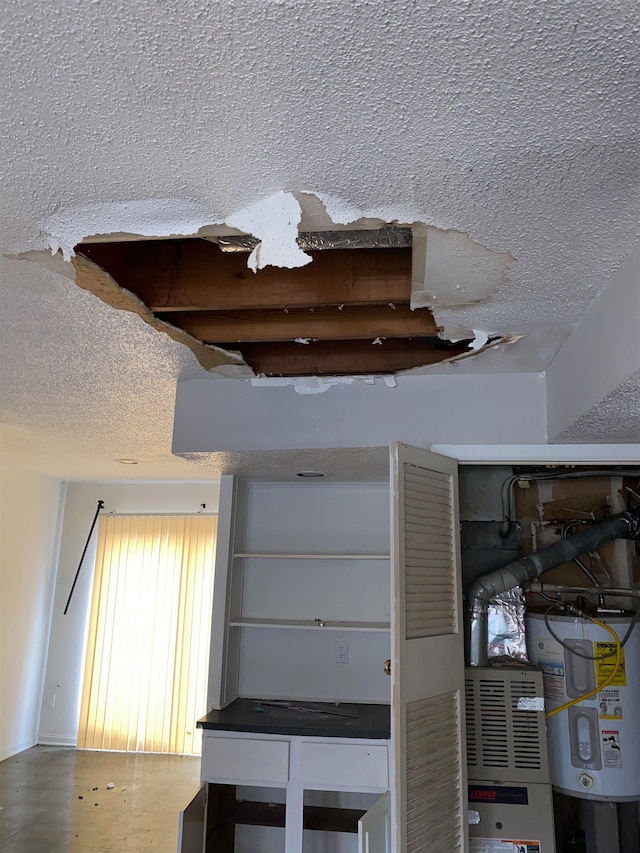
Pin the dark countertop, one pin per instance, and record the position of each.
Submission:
(252, 715)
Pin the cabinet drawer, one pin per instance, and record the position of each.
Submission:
(245, 759)
(350, 765)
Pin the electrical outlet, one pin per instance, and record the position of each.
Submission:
(342, 651)
(49, 700)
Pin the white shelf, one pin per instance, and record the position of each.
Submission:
(313, 556)
(306, 624)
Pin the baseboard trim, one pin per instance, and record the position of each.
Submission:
(56, 740)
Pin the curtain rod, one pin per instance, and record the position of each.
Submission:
(158, 514)
(86, 545)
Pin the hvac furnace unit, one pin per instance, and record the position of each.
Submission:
(595, 744)
(510, 805)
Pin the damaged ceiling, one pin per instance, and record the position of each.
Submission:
(504, 135)
(346, 313)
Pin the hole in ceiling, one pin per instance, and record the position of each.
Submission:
(347, 313)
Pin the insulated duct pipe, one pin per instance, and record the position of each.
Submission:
(625, 525)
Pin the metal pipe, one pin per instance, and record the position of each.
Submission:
(583, 590)
(625, 525)
(506, 492)
(566, 530)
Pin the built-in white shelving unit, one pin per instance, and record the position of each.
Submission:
(308, 567)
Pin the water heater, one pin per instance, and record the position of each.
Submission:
(594, 745)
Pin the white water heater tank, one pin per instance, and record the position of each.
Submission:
(595, 744)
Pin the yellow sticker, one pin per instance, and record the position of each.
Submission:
(605, 654)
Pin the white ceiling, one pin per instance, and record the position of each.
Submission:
(512, 123)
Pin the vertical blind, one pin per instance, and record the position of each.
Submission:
(145, 682)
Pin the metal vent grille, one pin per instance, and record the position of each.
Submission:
(503, 742)
(434, 776)
(429, 553)
(527, 751)
(493, 723)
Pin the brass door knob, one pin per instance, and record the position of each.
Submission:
(387, 667)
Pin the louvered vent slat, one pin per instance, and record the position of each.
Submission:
(470, 723)
(427, 506)
(429, 553)
(420, 535)
(433, 776)
(425, 488)
(526, 740)
(413, 475)
(503, 741)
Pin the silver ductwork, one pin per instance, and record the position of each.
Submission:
(389, 237)
(625, 525)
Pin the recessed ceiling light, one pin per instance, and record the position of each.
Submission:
(310, 474)
(128, 461)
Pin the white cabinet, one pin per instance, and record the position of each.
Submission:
(374, 827)
(317, 585)
(244, 760)
(354, 765)
(261, 773)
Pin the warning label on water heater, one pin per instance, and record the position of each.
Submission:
(605, 661)
(551, 661)
(611, 748)
(503, 845)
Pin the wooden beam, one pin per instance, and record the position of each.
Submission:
(325, 323)
(342, 358)
(195, 275)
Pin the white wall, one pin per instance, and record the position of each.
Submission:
(222, 415)
(601, 353)
(29, 506)
(65, 664)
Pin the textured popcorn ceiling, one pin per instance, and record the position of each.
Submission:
(512, 123)
(615, 419)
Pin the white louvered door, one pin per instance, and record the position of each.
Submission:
(429, 796)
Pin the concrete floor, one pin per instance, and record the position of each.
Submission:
(55, 800)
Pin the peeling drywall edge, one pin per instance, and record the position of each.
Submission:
(274, 221)
(480, 339)
(304, 384)
(319, 384)
(53, 263)
(165, 217)
(89, 276)
(504, 340)
(341, 212)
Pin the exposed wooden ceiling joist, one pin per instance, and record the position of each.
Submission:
(334, 323)
(195, 275)
(328, 358)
